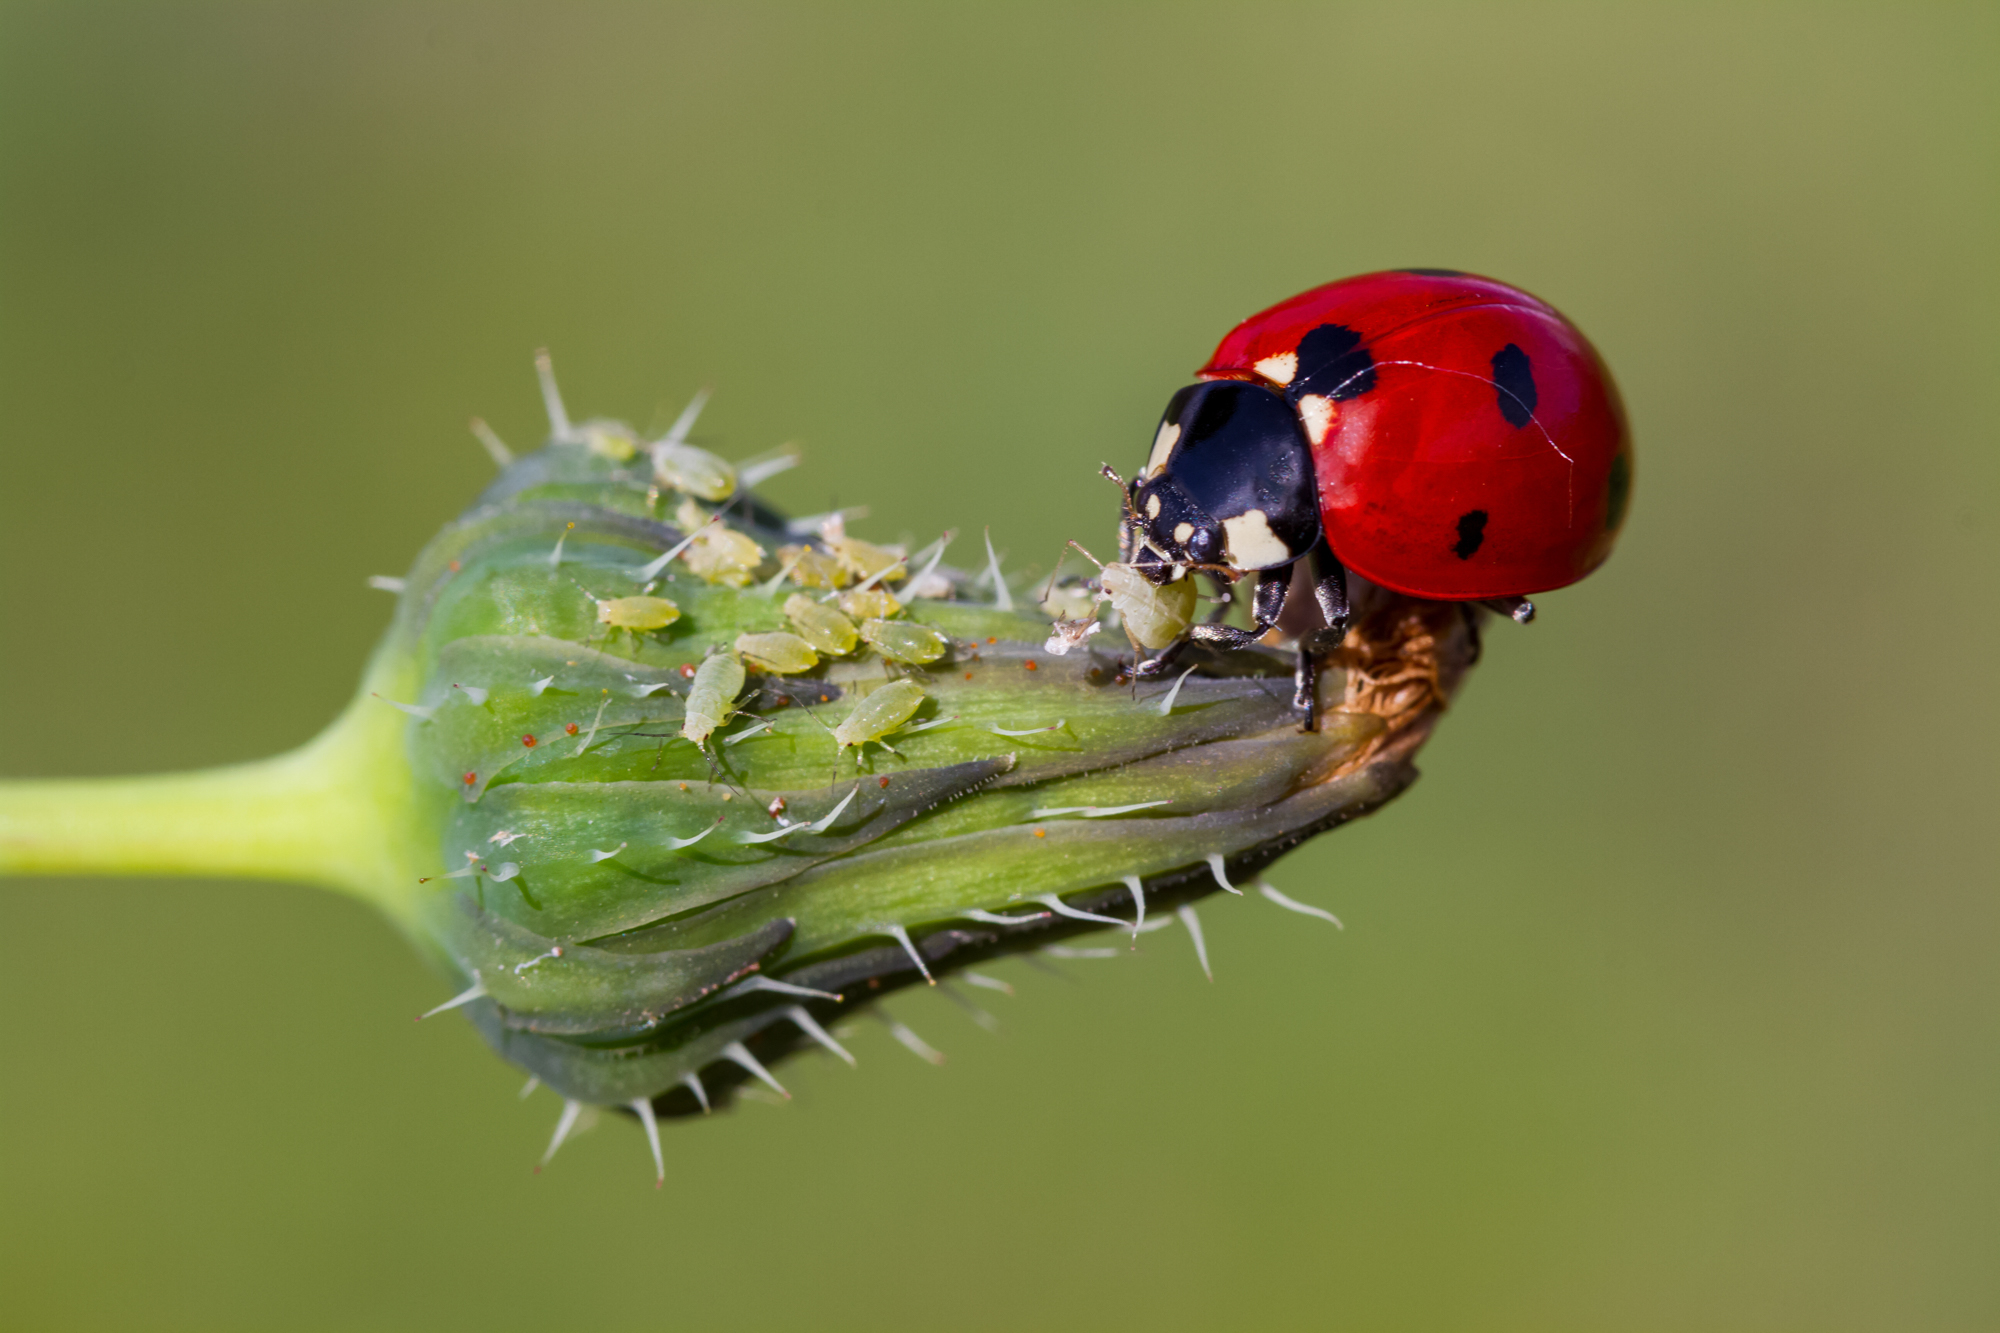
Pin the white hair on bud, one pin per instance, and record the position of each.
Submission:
(545, 371)
(997, 919)
(1138, 891)
(467, 996)
(1096, 811)
(912, 1043)
(571, 1110)
(1064, 909)
(1294, 905)
(775, 986)
(754, 470)
(806, 1024)
(643, 1108)
(1003, 600)
(1068, 951)
(684, 423)
(496, 448)
(1056, 725)
(740, 1053)
(1193, 923)
(902, 937)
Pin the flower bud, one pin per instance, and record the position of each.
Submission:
(751, 821)
(664, 813)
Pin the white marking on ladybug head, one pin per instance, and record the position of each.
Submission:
(1183, 531)
(1163, 444)
(1317, 412)
(1250, 543)
(1278, 369)
(1153, 505)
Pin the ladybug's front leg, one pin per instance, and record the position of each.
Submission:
(1270, 604)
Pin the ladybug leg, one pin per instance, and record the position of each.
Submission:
(1475, 647)
(1517, 609)
(1148, 667)
(1330, 591)
(1272, 585)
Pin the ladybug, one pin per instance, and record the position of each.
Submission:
(1441, 434)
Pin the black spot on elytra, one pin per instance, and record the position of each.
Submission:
(1514, 385)
(1471, 533)
(1436, 272)
(1332, 364)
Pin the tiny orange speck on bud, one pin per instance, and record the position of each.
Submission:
(687, 671)
(471, 778)
(1041, 833)
(1031, 666)
(991, 639)
(454, 566)
(968, 675)
(528, 741)
(569, 729)
(882, 782)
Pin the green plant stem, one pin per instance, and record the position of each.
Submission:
(331, 813)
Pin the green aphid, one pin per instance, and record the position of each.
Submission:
(609, 439)
(880, 713)
(636, 613)
(905, 642)
(692, 471)
(1155, 616)
(711, 699)
(777, 652)
(866, 560)
(863, 603)
(826, 629)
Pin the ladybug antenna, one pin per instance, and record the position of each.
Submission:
(1086, 555)
(1124, 492)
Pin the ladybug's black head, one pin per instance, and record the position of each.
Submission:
(1229, 484)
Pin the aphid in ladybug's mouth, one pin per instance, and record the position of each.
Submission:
(1443, 435)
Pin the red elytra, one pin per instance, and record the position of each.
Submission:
(1470, 442)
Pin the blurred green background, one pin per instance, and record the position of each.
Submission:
(1667, 1000)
